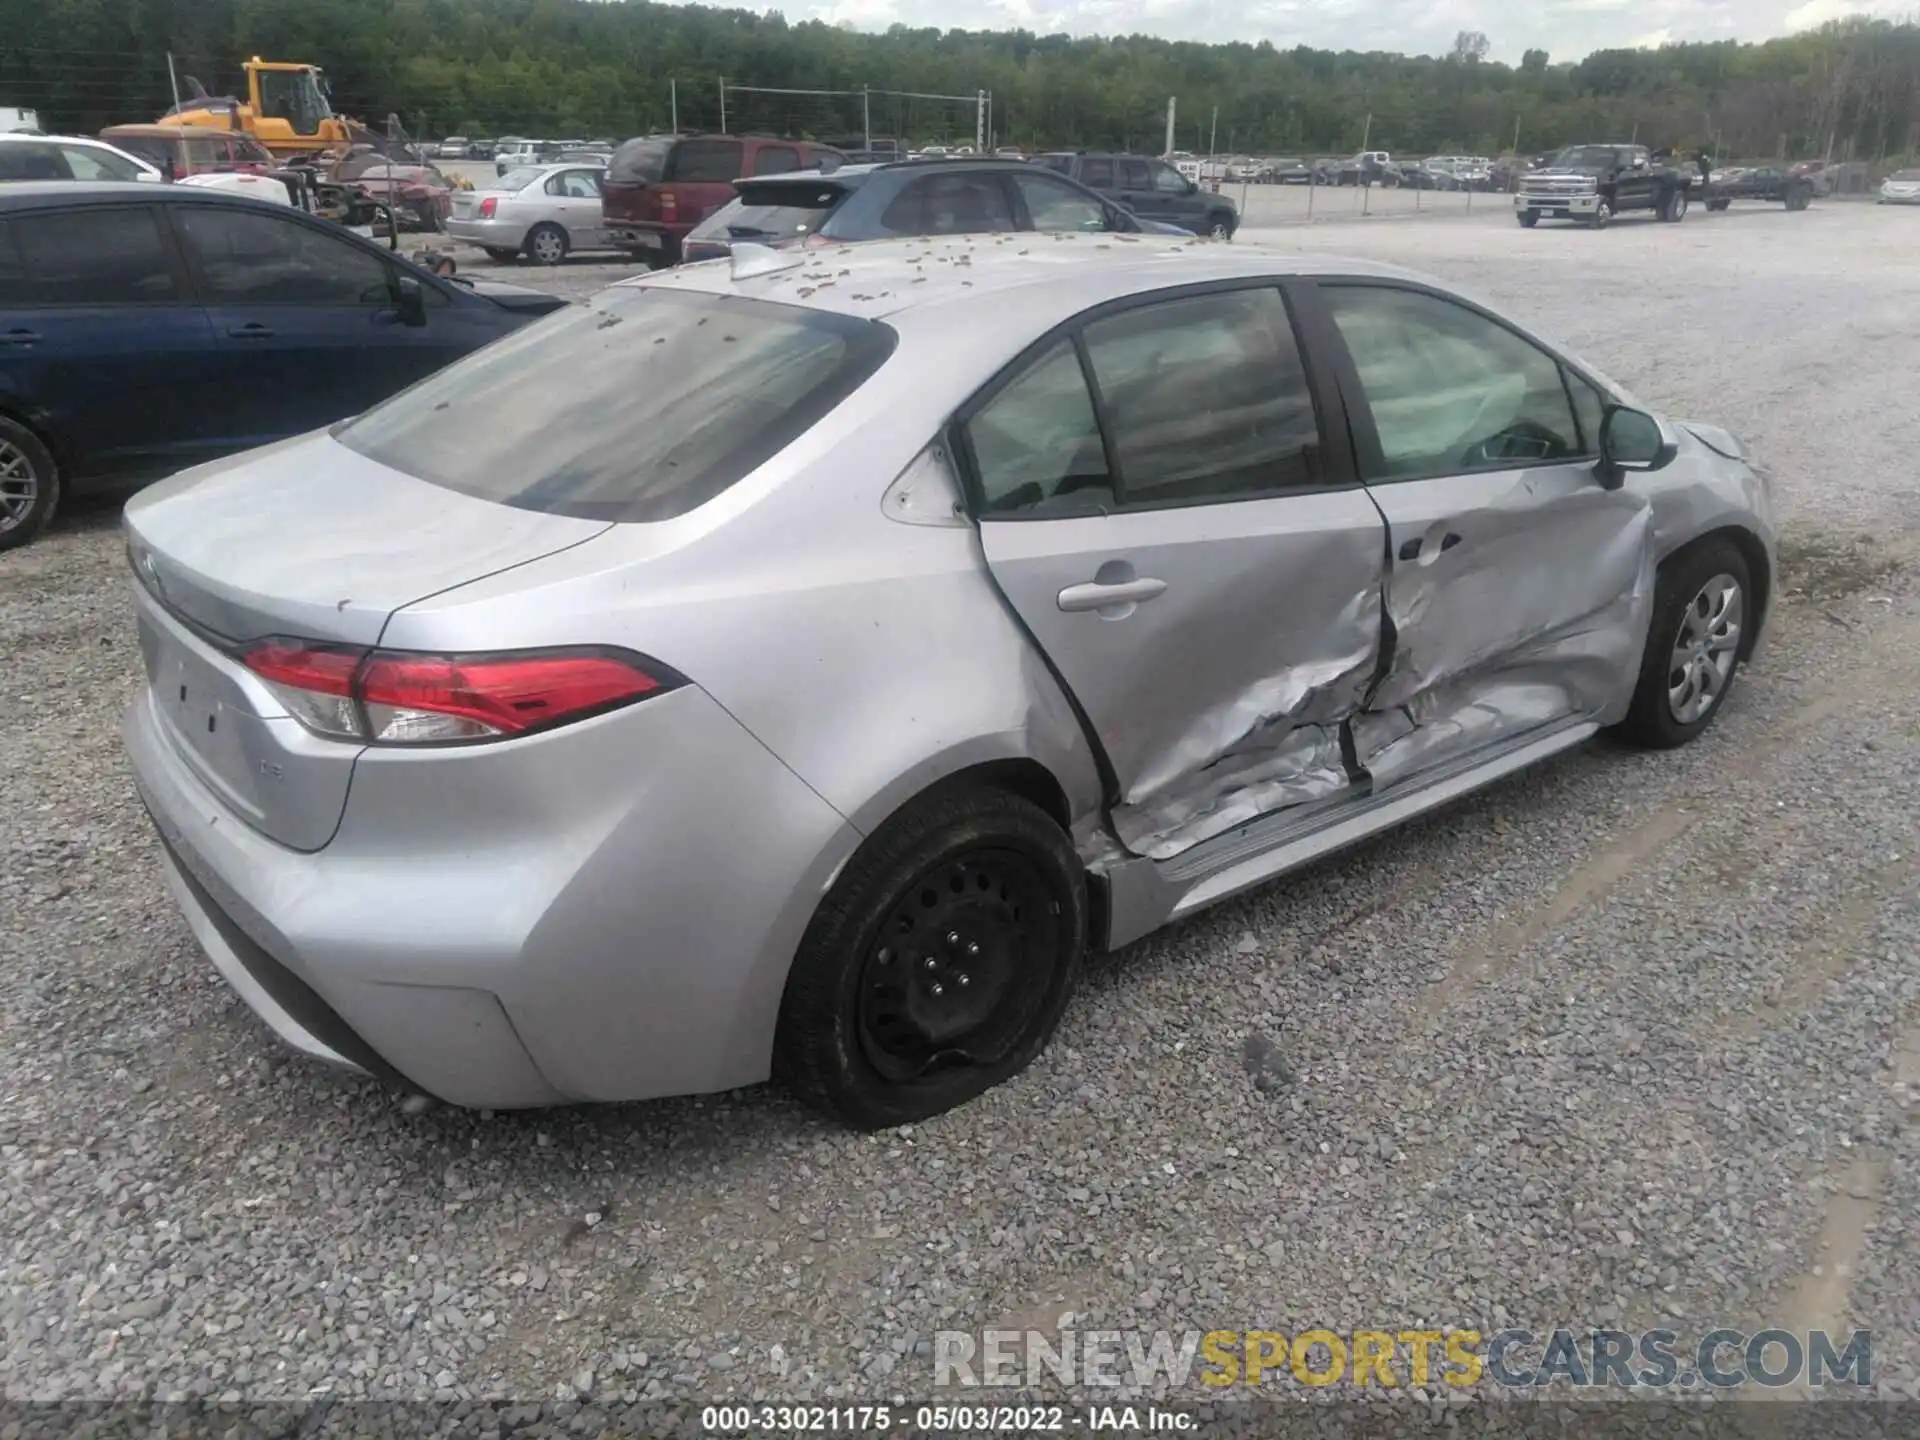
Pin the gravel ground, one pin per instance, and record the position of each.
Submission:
(1633, 1039)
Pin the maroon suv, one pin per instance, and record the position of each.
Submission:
(658, 187)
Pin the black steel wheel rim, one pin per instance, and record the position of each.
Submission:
(962, 961)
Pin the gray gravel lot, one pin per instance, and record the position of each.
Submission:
(1633, 1039)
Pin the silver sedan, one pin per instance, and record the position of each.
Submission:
(794, 664)
(545, 212)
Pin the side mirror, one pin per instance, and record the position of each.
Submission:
(1630, 440)
(1193, 187)
(410, 300)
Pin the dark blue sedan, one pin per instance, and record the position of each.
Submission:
(147, 328)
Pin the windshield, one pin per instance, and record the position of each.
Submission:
(295, 96)
(1576, 157)
(639, 162)
(518, 178)
(638, 405)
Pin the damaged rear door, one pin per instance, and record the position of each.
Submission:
(1518, 583)
(1158, 503)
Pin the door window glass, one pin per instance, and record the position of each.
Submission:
(1169, 181)
(244, 258)
(1134, 175)
(1097, 174)
(709, 161)
(1036, 445)
(99, 255)
(1055, 205)
(1449, 389)
(949, 205)
(1589, 406)
(87, 163)
(775, 160)
(13, 275)
(27, 160)
(1207, 398)
(575, 185)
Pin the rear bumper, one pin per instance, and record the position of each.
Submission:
(645, 234)
(519, 931)
(491, 234)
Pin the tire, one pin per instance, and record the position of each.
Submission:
(1220, 226)
(957, 871)
(1718, 205)
(1598, 220)
(502, 256)
(1688, 603)
(1529, 219)
(1673, 206)
(546, 244)
(29, 485)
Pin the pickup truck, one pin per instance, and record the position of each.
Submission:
(1590, 184)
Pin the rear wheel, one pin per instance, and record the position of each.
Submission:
(502, 256)
(29, 485)
(547, 244)
(939, 963)
(1219, 227)
(1673, 205)
(1701, 607)
(1529, 219)
(1718, 205)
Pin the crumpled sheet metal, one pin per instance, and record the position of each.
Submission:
(1274, 744)
(1519, 641)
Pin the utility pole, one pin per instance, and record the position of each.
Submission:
(866, 118)
(1169, 150)
(673, 104)
(723, 104)
(980, 121)
(1213, 135)
(173, 80)
(1366, 134)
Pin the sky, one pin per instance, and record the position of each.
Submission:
(1566, 29)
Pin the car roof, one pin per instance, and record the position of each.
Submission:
(1061, 273)
(868, 169)
(47, 194)
(18, 137)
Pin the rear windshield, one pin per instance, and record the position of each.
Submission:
(518, 178)
(639, 405)
(766, 212)
(641, 161)
(1905, 177)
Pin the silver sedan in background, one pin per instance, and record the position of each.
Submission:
(545, 212)
(793, 665)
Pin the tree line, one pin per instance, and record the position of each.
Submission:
(575, 67)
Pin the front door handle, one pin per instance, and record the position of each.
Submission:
(252, 330)
(1095, 596)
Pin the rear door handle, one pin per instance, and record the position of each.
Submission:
(1410, 550)
(252, 330)
(1095, 596)
(20, 337)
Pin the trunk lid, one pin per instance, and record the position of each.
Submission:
(303, 539)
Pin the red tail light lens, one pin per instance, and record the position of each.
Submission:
(669, 205)
(489, 204)
(386, 697)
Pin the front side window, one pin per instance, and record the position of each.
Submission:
(13, 275)
(33, 160)
(949, 205)
(1207, 398)
(637, 406)
(1097, 173)
(1169, 181)
(1450, 390)
(706, 161)
(99, 255)
(1036, 445)
(87, 163)
(1134, 175)
(242, 258)
(1055, 205)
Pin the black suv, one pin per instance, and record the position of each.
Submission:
(1151, 189)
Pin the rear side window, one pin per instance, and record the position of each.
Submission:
(706, 161)
(1134, 175)
(638, 162)
(246, 258)
(1208, 398)
(1097, 174)
(99, 255)
(32, 161)
(640, 405)
(775, 160)
(950, 205)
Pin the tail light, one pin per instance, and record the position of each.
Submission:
(489, 204)
(393, 697)
(669, 205)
